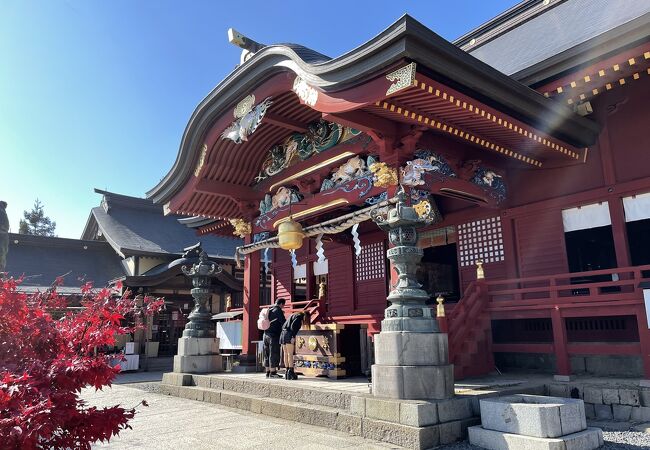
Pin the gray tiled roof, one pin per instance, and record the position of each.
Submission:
(136, 226)
(41, 259)
(559, 28)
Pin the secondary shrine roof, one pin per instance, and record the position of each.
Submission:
(137, 226)
(532, 31)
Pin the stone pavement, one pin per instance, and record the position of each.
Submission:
(179, 424)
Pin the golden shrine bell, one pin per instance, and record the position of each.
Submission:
(290, 235)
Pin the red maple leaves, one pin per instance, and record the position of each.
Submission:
(45, 362)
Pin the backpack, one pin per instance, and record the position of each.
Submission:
(263, 322)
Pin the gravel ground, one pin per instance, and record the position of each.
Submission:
(614, 440)
(626, 440)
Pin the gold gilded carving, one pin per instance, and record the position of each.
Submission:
(244, 107)
(312, 343)
(423, 208)
(384, 176)
(326, 344)
(242, 228)
(301, 342)
(402, 78)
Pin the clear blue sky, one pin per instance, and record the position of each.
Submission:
(97, 93)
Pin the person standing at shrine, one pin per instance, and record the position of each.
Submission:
(288, 341)
(272, 339)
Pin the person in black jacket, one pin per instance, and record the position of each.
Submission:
(272, 339)
(288, 341)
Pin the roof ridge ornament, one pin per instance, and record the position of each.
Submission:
(402, 78)
(249, 47)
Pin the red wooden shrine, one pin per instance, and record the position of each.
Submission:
(545, 179)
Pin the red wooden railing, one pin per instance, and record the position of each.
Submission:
(609, 292)
(568, 288)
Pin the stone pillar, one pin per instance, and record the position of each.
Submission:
(411, 354)
(198, 348)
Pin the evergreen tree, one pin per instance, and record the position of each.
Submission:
(36, 222)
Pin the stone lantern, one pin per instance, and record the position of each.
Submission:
(198, 348)
(411, 355)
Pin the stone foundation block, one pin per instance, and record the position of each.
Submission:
(629, 397)
(590, 412)
(593, 395)
(402, 435)
(640, 414)
(411, 349)
(588, 439)
(348, 423)
(644, 397)
(236, 400)
(383, 410)
(358, 405)
(201, 381)
(177, 379)
(413, 382)
(610, 397)
(418, 414)
(169, 389)
(212, 397)
(450, 432)
(622, 413)
(558, 390)
(533, 415)
(190, 393)
(603, 412)
(197, 364)
(454, 409)
(198, 346)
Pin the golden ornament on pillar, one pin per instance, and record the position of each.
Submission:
(480, 273)
(290, 235)
(440, 309)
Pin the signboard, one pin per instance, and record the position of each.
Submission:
(229, 334)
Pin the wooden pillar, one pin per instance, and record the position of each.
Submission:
(619, 231)
(644, 340)
(560, 343)
(251, 302)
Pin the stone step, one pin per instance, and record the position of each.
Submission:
(273, 388)
(337, 418)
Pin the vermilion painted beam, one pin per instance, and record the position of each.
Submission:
(234, 191)
(285, 122)
(603, 348)
(364, 121)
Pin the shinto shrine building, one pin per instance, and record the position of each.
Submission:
(525, 144)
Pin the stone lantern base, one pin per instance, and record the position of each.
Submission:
(198, 355)
(412, 366)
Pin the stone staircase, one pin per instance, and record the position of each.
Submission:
(411, 424)
(470, 334)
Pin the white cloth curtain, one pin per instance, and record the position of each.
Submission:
(321, 268)
(300, 271)
(637, 207)
(586, 217)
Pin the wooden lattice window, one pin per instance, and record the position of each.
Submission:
(480, 240)
(371, 263)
